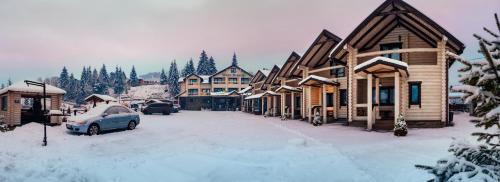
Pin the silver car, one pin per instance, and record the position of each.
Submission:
(102, 118)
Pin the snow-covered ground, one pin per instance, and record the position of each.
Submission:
(224, 146)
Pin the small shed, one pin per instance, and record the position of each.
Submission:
(20, 103)
(94, 99)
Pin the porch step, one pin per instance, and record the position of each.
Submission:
(384, 125)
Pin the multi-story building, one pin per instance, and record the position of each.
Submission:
(218, 92)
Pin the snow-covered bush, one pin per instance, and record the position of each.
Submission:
(481, 85)
(400, 128)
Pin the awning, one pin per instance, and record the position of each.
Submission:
(256, 96)
(245, 90)
(317, 80)
(379, 65)
(267, 93)
(286, 88)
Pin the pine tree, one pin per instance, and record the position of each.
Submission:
(134, 81)
(163, 77)
(202, 68)
(94, 78)
(212, 68)
(119, 87)
(481, 85)
(3, 86)
(173, 78)
(103, 81)
(188, 69)
(9, 82)
(235, 60)
(64, 79)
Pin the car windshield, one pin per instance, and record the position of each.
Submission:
(98, 110)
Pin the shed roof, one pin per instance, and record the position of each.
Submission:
(102, 97)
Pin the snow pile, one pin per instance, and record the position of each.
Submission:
(148, 92)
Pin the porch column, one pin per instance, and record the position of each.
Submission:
(262, 107)
(396, 96)
(323, 102)
(369, 104)
(377, 99)
(292, 108)
(309, 104)
(283, 103)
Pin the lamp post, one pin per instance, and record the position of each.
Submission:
(44, 118)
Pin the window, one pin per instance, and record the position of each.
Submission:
(329, 99)
(4, 103)
(245, 80)
(192, 81)
(232, 89)
(219, 80)
(205, 90)
(219, 89)
(233, 80)
(343, 97)
(337, 72)
(391, 46)
(112, 110)
(123, 110)
(415, 89)
(386, 96)
(233, 70)
(193, 92)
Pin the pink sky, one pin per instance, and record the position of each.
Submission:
(39, 37)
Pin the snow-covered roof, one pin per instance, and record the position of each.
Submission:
(270, 93)
(181, 79)
(245, 90)
(103, 97)
(256, 96)
(319, 78)
(265, 72)
(381, 60)
(222, 93)
(286, 87)
(205, 78)
(23, 87)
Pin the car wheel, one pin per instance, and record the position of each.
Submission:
(93, 130)
(131, 125)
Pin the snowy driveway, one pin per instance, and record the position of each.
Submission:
(223, 146)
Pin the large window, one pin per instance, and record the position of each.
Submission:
(193, 92)
(343, 97)
(245, 80)
(4, 103)
(219, 80)
(391, 46)
(415, 93)
(219, 89)
(337, 72)
(192, 81)
(386, 96)
(233, 80)
(232, 89)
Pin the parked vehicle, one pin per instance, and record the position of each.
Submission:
(164, 108)
(102, 118)
(176, 108)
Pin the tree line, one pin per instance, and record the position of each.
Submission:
(93, 81)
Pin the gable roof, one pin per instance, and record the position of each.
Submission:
(260, 75)
(317, 54)
(232, 66)
(389, 15)
(285, 69)
(270, 77)
(203, 78)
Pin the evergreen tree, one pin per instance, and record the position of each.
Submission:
(72, 88)
(163, 77)
(234, 61)
(64, 79)
(9, 82)
(84, 87)
(481, 85)
(3, 86)
(119, 86)
(103, 81)
(134, 81)
(202, 68)
(212, 68)
(95, 78)
(188, 69)
(173, 78)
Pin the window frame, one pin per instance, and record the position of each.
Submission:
(390, 95)
(419, 94)
(191, 93)
(245, 82)
(399, 45)
(193, 81)
(219, 82)
(4, 103)
(235, 80)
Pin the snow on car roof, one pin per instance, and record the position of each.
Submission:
(23, 87)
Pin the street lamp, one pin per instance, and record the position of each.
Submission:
(44, 118)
